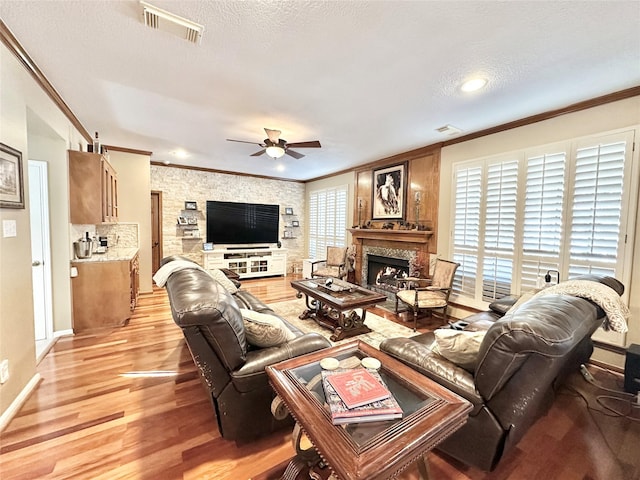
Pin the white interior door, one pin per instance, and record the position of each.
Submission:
(40, 255)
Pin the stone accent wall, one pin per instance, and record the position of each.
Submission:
(180, 184)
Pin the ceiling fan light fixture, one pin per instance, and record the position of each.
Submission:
(275, 151)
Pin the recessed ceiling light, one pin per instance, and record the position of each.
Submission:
(180, 154)
(473, 84)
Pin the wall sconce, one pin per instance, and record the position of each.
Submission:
(360, 208)
(417, 199)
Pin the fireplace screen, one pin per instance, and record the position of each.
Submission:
(386, 272)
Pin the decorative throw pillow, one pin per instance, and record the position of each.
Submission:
(458, 346)
(264, 330)
(223, 280)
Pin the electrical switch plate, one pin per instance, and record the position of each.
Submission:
(9, 228)
(4, 371)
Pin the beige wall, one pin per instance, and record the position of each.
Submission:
(24, 106)
(179, 185)
(134, 200)
(597, 120)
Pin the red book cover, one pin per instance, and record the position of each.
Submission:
(381, 410)
(358, 387)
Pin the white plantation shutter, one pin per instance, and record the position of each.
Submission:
(327, 220)
(543, 220)
(466, 235)
(499, 229)
(563, 207)
(597, 208)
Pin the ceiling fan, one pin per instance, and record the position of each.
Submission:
(276, 147)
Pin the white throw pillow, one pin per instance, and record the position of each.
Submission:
(264, 330)
(222, 279)
(458, 346)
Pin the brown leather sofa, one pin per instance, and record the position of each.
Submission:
(523, 357)
(231, 370)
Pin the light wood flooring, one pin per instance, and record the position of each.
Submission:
(127, 403)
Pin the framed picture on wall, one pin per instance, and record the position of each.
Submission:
(11, 181)
(288, 211)
(389, 198)
(190, 205)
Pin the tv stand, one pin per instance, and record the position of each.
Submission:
(257, 247)
(248, 262)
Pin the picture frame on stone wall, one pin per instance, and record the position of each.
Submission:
(190, 205)
(389, 198)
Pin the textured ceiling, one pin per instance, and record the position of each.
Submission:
(369, 79)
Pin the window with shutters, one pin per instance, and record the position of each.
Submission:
(560, 207)
(327, 219)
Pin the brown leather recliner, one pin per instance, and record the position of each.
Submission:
(522, 359)
(231, 370)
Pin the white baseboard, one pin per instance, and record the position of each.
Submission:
(11, 412)
(63, 333)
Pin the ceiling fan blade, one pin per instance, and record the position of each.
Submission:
(293, 154)
(313, 144)
(257, 154)
(243, 141)
(273, 135)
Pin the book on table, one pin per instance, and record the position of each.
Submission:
(365, 390)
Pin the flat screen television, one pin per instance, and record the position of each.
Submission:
(234, 223)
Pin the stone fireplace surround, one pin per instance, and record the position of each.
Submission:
(399, 244)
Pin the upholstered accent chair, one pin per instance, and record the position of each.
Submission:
(334, 266)
(431, 297)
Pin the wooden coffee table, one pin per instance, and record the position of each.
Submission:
(366, 451)
(333, 306)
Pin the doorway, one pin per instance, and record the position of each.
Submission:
(40, 256)
(156, 230)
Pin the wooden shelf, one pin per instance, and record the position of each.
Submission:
(408, 236)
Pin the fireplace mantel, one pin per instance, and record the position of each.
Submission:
(407, 236)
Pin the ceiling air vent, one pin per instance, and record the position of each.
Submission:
(159, 19)
(448, 130)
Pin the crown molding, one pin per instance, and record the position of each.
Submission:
(27, 62)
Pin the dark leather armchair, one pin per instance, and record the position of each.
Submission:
(523, 357)
(232, 371)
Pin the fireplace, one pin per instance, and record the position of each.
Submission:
(386, 273)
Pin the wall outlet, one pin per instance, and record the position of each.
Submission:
(4, 371)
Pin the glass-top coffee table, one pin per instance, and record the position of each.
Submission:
(373, 450)
(333, 305)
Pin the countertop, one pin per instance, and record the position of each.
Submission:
(111, 255)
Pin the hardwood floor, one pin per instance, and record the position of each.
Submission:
(128, 403)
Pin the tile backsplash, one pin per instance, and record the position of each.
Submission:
(119, 235)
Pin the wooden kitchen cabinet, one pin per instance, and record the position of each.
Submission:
(109, 192)
(101, 295)
(134, 271)
(93, 189)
